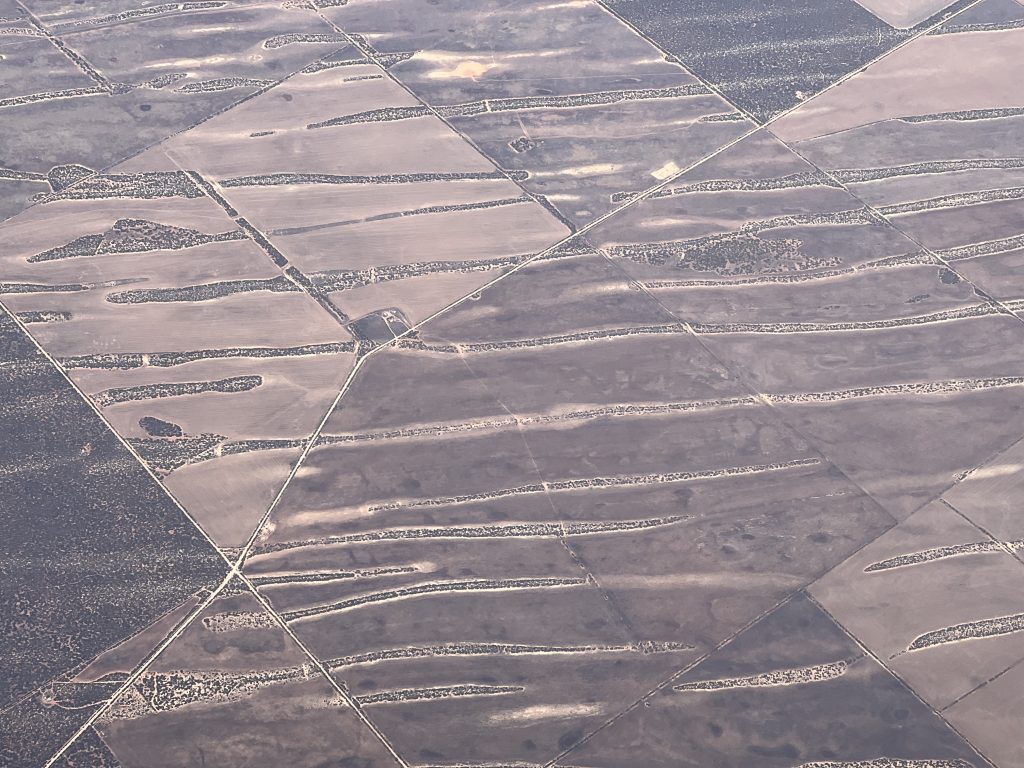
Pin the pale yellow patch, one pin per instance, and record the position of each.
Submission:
(193, 63)
(547, 712)
(667, 170)
(468, 69)
(598, 169)
(566, 4)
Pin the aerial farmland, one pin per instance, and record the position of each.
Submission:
(555, 384)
